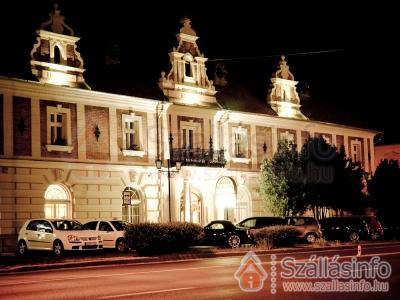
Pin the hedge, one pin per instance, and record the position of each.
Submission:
(276, 236)
(154, 238)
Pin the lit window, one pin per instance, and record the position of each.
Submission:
(287, 136)
(190, 134)
(57, 202)
(59, 129)
(132, 143)
(240, 142)
(355, 151)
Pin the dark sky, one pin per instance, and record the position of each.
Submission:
(356, 85)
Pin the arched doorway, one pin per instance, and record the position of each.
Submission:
(196, 207)
(131, 205)
(225, 199)
(57, 202)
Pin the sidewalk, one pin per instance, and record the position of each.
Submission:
(44, 261)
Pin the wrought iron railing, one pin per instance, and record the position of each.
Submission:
(198, 157)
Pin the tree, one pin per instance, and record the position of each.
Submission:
(332, 181)
(282, 181)
(383, 189)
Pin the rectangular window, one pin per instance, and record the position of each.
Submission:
(240, 142)
(132, 133)
(59, 136)
(58, 129)
(356, 151)
(190, 134)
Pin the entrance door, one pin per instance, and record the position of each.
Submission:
(225, 199)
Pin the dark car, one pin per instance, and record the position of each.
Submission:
(224, 233)
(391, 229)
(352, 228)
(308, 227)
(260, 222)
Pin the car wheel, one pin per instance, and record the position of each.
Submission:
(311, 238)
(234, 241)
(58, 248)
(354, 237)
(120, 245)
(22, 248)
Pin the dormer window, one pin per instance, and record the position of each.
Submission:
(188, 71)
(57, 55)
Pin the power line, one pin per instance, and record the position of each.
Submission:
(276, 55)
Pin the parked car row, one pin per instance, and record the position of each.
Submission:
(352, 228)
(59, 235)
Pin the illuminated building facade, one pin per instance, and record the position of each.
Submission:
(68, 151)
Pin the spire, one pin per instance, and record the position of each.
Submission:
(283, 96)
(54, 57)
(187, 81)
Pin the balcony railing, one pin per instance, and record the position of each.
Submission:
(199, 157)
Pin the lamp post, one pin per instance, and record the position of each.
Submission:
(178, 165)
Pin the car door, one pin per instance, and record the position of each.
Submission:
(31, 234)
(45, 235)
(107, 233)
(214, 233)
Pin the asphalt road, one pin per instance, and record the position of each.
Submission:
(211, 278)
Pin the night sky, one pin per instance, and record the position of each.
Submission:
(356, 85)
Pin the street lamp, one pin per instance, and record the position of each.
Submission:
(178, 165)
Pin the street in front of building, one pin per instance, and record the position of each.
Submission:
(201, 278)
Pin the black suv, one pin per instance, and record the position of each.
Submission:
(260, 222)
(224, 233)
(352, 228)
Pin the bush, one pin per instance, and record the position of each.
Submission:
(275, 236)
(154, 238)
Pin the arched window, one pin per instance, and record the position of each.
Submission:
(57, 55)
(131, 205)
(57, 202)
(188, 65)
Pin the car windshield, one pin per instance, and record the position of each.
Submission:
(119, 225)
(67, 225)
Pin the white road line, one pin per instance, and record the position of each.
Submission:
(107, 275)
(316, 250)
(172, 270)
(147, 293)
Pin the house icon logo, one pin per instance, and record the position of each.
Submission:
(251, 274)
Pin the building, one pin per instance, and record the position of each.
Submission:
(389, 152)
(69, 151)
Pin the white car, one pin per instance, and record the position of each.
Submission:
(56, 236)
(112, 233)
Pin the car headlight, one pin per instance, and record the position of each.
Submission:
(73, 239)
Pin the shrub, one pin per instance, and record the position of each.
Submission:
(154, 238)
(275, 236)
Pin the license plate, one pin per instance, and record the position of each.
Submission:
(90, 243)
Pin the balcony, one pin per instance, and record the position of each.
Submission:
(199, 157)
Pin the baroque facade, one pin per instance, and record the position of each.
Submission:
(68, 151)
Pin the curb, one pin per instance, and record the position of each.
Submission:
(178, 257)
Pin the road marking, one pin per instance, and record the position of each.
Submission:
(107, 275)
(147, 293)
(315, 250)
(167, 270)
